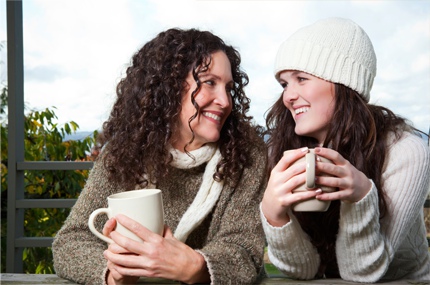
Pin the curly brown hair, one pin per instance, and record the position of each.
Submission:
(358, 131)
(136, 136)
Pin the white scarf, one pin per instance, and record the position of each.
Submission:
(209, 191)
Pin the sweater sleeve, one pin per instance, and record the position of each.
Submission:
(366, 244)
(77, 252)
(290, 249)
(234, 254)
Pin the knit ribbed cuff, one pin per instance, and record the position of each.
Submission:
(290, 249)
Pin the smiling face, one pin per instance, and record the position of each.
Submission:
(311, 102)
(214, 101)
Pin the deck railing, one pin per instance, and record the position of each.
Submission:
(16, 204)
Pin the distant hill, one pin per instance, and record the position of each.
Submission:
(77, 136)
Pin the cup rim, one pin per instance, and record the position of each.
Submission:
(140, 193)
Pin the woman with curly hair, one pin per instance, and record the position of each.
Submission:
(179, 124)
(374, 228)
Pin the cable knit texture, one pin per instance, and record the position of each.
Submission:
(230, 237)
(335, 49)
(369, 249)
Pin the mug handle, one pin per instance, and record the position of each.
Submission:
(310, 170)
(93, 228)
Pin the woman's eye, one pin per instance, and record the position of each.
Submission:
(301, 79)
(210, 82)
(284, 85)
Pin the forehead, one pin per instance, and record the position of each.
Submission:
(220, 65)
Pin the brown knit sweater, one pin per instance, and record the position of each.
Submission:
(231, 238)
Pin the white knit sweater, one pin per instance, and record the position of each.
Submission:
(369, 249)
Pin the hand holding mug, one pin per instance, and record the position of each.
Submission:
(352, 184)
(158, 256)
(284, 178)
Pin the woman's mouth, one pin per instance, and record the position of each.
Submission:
(212, 116)
(301, 110)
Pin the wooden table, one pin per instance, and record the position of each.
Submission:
(26, 279)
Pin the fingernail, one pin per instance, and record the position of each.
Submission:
(318, 191)
(318, 158)
(304, 149)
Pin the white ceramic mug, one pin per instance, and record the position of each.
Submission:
(145, 206)
(313, 204)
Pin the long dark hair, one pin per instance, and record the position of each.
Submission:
(136, 136)
(358, 131)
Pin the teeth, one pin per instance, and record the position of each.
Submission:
(302, 110)
(213, 116)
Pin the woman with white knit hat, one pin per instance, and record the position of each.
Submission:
(374, 228)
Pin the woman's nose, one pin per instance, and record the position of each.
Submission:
(290, 94)
(223, 98)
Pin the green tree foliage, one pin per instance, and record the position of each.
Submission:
(45, 140)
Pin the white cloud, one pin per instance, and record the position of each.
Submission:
(76, 50)
(85, 46)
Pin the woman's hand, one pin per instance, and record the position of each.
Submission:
(285, 177)
(353, 184)
(114, 277)
(157, 256)
(109, 227)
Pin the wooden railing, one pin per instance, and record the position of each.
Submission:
(16, 204)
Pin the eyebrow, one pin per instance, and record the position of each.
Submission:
(295, 72)
(208, 74)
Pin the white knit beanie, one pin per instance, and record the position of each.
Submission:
(334, 49)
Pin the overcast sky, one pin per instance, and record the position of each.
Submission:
(75, 51)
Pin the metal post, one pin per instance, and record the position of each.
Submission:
(15, 217)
